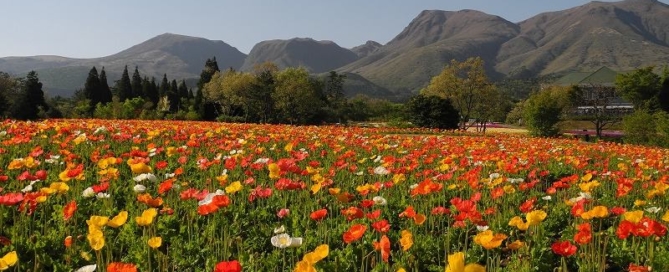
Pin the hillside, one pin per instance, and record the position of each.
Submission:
(621, 35)
(366, 49)
(177, 56)
(430, 41)
(315, 56)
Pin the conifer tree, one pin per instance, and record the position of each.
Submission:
(136, 84)
(123, 86)
(105, 91)
(164, 87)
(92, 90)
(30, 99)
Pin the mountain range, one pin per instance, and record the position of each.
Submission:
(621, 35)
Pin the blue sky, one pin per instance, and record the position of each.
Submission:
(84, 29)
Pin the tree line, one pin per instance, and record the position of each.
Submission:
(264, 95)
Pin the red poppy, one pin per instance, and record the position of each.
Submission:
(11, 199)
(584, 234)
(319, 215)
(69, 209)
(624, 229)
(564, 248)
(373, 215)
(283, 213)
(190, 193)
(97, 188)
(4, 241)
(408, 212)
(161, 165)
(121, 267)
(638, 268)
(41, 174)
(165, 186)
(381, 226)
(618, 210)
(68, 241)
(354, 233)
(231, 266)
(367, 203)
(528, 205)
(440, 211)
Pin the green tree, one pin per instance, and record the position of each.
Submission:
(9, 88)
(297, 98)
(334, 95)
(663, 94)
(123, 86)
(92, 89)
(150, 90)
(204, 109)
(639, 127)
(432, 112)
(230, 90)
(30, 100)
(105, 92)
(261, 93)
(173, 96)
(465, 84)
(136, 83)
(182, 93)
(543, 111)
(640, 87)
(164, 87)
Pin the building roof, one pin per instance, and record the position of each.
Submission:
(603, 76)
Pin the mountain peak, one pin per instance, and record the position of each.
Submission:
(315, 56)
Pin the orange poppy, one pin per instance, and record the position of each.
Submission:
(354, 233)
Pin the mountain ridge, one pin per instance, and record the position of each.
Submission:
(621, 35)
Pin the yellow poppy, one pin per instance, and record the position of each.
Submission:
(633, 216)
(488, 240)
(147, 217)
(406, 240)
(118, 220)
(535, 217)
(233, 187)
(10, 259)
(665, 217)
(140, 168)
(98, 221)
(155, 242)
(517, 222)
(456, 263)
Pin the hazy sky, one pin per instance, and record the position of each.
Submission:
(84, 28)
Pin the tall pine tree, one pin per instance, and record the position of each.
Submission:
(92, 90)
(173, 96)
(105, 92)
(124, 86)
(136, 84)
(210, 68)
(164, 86)
(30, 99)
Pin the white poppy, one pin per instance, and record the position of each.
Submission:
(481, 228)
(262, 161)
(279, 230)
(380, 170)
(139, 188)
(547, 198)
(281, 241)
(295, 241)
(102, 195)
(88, 192)
(145, 176)
(379, 200)
(653, 209)
(26, 189)
(87, 268)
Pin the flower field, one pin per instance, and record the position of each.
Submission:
(93, 195)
